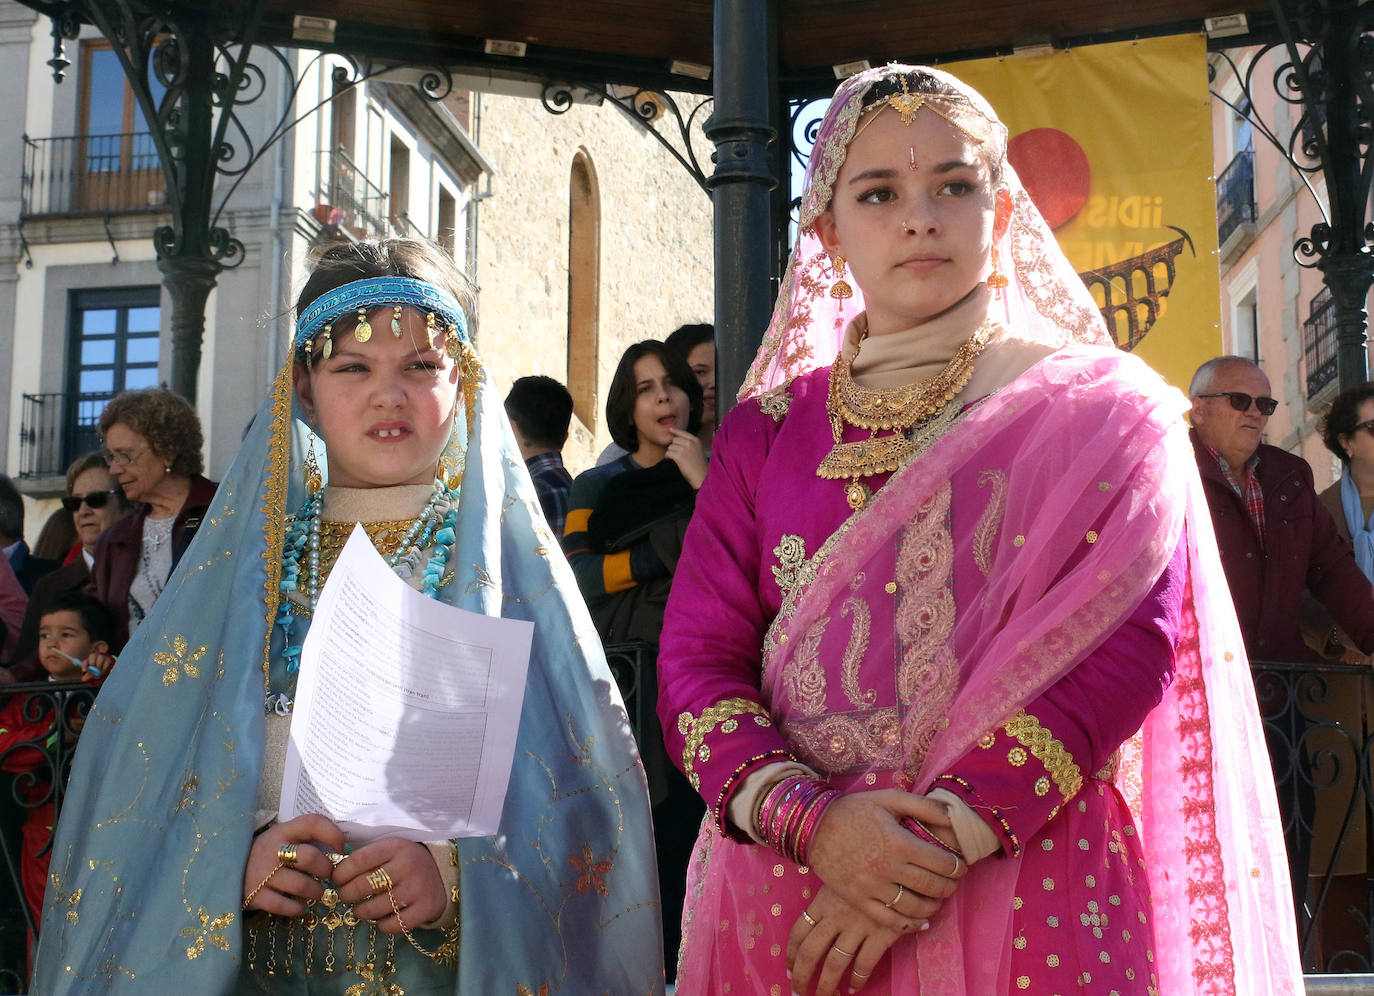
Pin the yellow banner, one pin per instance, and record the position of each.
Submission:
(1114, 144)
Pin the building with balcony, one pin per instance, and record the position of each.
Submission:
(521, 197)
(1272, 309)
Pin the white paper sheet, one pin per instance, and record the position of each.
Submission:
(406, 708)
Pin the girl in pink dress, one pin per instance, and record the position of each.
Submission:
(949, 653)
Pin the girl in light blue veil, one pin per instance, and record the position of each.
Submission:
(170, 873)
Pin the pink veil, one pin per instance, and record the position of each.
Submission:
(1197, 776)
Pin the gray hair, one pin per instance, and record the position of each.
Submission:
(1202, 380)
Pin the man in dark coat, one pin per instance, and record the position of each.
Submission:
(1276, 540)
(27, 568)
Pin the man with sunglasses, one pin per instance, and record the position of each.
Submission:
(1277, 540)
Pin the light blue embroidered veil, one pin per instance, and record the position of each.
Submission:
(146, 881)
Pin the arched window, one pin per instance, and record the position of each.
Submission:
(584, 287)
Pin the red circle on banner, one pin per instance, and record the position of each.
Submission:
(1054, 169)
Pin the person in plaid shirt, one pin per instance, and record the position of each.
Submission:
(1277, 540)
(540, 410)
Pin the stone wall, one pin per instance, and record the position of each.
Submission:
(655, 269)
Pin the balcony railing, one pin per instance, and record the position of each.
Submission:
(1319, 343)
(92, 174)
(56, 428)
(351, 200)
(1236, 195)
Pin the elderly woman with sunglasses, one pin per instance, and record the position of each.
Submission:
(153, 447)
(96, 503)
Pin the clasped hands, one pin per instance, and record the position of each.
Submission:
(880, 881)
(286, 889)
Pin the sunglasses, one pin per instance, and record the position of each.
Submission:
(95, 499)
(1240, 401)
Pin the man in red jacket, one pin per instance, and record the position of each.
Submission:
(1276, 541)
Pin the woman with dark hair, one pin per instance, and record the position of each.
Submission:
(153, 448)
(1348, 431)
(171, 869)
(94, 502)
(697, 345)
(625, 525)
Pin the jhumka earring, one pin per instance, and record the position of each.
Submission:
(313, 479)
(396, 321)
(840, 289)
(997, 280)
(363, 330)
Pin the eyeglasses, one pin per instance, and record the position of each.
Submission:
(117, 458)
(94, 499)
(1240, 401)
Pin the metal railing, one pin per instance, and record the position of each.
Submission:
(352, 201)
(1319, 724)
(1235, 195)
(1319, 342)
(91, 174)
(55, 428)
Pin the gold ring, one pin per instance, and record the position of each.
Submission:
(859, 975)
(286, 854)
(810, 919)
(335, 858)
(901, 891)
(379, 880)
(841, 951)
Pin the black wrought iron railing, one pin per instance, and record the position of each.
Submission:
(1319, 722)
(1319, 342)
(1236, 195)
(91, 174)
(36, 754)
(351, 200)
(55, 428)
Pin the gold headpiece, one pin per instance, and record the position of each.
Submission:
(906, 104)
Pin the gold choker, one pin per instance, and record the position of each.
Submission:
(903, 409)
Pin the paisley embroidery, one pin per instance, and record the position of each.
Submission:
(856, 649)
(985, 535)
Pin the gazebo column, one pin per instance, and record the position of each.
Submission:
(741, 184)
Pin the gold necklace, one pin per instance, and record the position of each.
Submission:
(902, 408)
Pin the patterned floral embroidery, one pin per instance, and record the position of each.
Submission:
(845, 742)
(856, 649)
(791, 554)
(696, 730)
(592, 873)
(775, 404)
(209, 929)
(181, 660)
(985, 535)
(1047, 750)
(804, 675)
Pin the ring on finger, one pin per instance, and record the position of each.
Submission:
(287, 854)
(806, 915)
(379, 880)
(901, 891)
(958, 866)
(841, 951)
(859, 975)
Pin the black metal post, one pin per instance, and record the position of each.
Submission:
(1334, 80)
(741, 185)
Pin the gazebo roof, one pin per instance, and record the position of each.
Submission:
(638, 40)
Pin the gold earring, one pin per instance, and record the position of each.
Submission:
(363, 330)
(328, 342)
(314, 481)
(997, 280)
(839, 289)
(396, 321)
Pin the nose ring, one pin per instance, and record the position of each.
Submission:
(906, 228)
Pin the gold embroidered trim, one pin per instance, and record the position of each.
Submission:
(274, 509)
(1047, 750)
(791, 554)
(985, 535)
(696, 730)
(775, 404)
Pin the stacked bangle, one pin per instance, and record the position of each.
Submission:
(790, 813)
(926, 834)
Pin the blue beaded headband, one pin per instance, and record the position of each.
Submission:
(371, 292)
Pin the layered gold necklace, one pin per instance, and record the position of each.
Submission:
(897, 411)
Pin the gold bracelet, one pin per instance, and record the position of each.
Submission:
(248, 900)
(447, 952)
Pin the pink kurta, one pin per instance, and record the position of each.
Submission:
(1065, 904)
